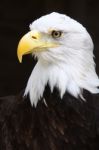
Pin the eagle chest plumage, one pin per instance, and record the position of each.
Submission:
(66, 124)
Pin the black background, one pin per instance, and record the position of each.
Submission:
(15, 17)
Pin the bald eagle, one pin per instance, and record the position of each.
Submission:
(59, 109)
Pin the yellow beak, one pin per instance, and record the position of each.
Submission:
(32, 42)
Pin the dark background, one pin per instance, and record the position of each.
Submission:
(15, 17)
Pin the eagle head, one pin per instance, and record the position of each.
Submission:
(64, 50)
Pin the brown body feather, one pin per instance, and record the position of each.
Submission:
(67, 124)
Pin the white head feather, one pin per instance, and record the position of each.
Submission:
(69, 67)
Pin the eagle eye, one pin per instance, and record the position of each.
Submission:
(56, 34)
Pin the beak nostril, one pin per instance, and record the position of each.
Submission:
(34, 37)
